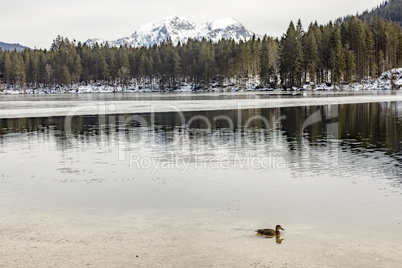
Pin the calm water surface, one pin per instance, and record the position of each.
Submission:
(331, 171)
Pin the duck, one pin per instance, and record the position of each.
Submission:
(271, 232)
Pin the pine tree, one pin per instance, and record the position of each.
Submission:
(350, 66)
(1, 69)
(33, 69)
(43, 61)
(174, 70)
(320, 47)
(338, 57)
(76, 69)
(65, 77)
(291, 58)
(7, 67)
(18, 69)
(311, 59)
(268, 62)
(339, 62)
(123, 75)
(358, 45)
(48, 73)
(264, 63)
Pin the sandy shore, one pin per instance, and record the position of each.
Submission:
(180, 239)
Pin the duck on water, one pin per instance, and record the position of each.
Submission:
(271, 232)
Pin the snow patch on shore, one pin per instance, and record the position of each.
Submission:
(387, 81)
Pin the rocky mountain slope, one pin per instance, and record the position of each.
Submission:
(179, 29)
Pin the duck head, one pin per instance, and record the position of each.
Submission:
(278, 227)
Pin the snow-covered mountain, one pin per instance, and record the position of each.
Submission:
(180, 29)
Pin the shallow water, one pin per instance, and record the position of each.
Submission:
(203, 181)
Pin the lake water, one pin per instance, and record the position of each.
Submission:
(189, 188)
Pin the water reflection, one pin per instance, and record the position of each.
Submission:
(362, 127)
(309, 141)
(278, 239)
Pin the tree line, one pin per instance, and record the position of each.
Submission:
(338, 52)
(388, 10)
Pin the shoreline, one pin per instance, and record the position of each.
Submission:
(389, 80)
(194, 238)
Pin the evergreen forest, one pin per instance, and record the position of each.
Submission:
(343, 52)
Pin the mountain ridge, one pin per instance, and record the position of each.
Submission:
(388, 10)
(179, 29)
(12, 47)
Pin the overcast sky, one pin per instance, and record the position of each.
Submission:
(37, 23)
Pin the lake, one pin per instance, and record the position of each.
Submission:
(189, 184)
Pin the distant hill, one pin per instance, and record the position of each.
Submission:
(12, 47)
(388, 10)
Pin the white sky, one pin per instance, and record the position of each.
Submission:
(35, 23)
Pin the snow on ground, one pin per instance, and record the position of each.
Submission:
(388, 80)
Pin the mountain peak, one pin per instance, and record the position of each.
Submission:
(174, 18)
(180, 29)
(222, 23)
(179, 23)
